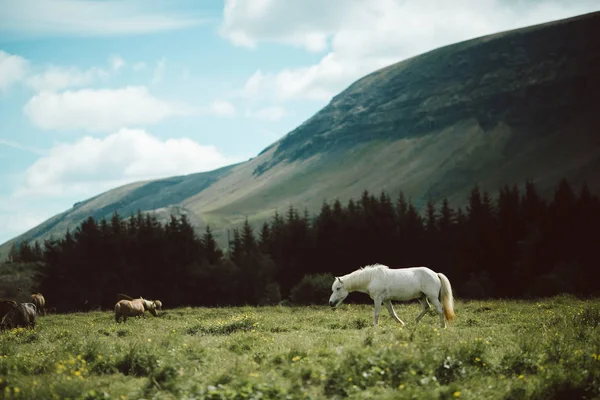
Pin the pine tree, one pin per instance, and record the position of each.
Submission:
(211, 251)
(264, 238)
(13, 253)
(236, 247)
(446, 218)
(249, 244)
(38, 254)
(401, 210)
(431, 218)
(25, 252)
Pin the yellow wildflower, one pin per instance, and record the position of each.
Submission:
(456, 394)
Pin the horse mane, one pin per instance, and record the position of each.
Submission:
(362, 276)
(376, 265)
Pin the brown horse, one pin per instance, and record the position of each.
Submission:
(122, 296)
(133, 308)
(40, 302)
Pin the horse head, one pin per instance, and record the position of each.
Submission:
(339, 293)
(149, 306)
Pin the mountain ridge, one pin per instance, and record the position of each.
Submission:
(492, 110)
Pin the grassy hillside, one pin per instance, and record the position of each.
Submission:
(494, 350)
(493, 110)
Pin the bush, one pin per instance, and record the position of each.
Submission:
(312, 289)
(271, 295)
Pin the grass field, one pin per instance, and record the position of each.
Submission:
(494, 350)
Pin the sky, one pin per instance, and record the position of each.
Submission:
(97, 94)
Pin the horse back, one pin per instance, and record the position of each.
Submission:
(406, 283)
(131, 306)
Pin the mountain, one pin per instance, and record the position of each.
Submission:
(503, 108)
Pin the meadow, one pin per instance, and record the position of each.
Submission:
(494, 350)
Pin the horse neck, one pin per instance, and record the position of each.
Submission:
(147, 304)
(358, 280)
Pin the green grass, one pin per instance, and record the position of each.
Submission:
(494, 350)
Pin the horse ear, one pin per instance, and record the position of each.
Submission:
(338, 278)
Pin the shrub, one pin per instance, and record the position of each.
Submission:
(312, 289)
(271, 295)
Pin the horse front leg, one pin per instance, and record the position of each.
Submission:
(376, 311)
(390, 308)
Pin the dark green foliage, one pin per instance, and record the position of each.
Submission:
(312, 289)
(139, 361)
(449, 370)
(516, 245)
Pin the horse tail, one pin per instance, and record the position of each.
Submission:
(117, 312)
(447, 298)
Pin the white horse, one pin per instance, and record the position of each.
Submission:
(384, 284)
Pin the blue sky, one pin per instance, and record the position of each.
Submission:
(96, 94)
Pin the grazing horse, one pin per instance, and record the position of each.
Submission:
(6, 306)
(121, 296)
(15, 315)
(384, 284)
(40, 302)
(31, 312)
(133, 308)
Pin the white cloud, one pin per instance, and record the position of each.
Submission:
(306, 23)
(362, 36)
(159, 71)
(54, 78)
(12, 69)
(116, 62)
(91, 165)
(222, 108)
(16, 219)
(91, 18)
(100, 110)
(138, 66)
(253, 85)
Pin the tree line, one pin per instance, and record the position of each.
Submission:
(516, 245)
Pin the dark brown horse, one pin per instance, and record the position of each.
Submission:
(15, 315)
(6, 306)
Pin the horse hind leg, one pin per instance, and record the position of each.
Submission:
(425, 304)
(438, 307)
(118, 313)
(390, 308)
